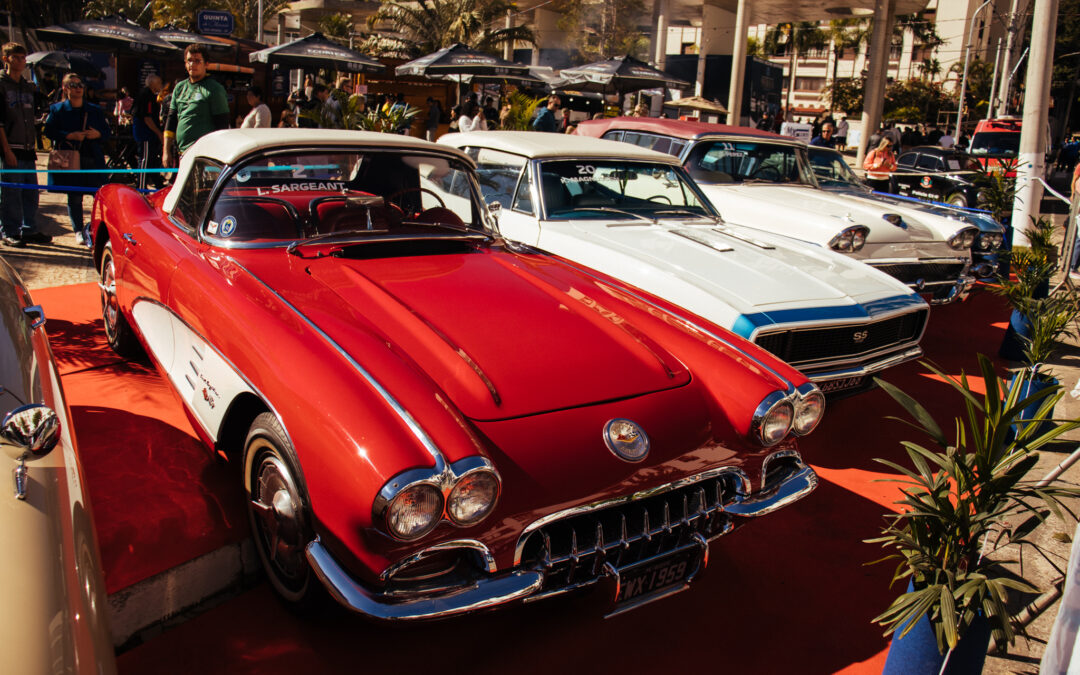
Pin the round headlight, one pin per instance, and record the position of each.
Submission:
(772, 420)
(858, 238)
(472, 498)
(808, 413)
(414, 511)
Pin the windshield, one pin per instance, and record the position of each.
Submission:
(830, 169)
(996, 143)
(283, 197)
(617, 189)
(747, 162)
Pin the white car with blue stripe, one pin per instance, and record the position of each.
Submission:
(635, 215)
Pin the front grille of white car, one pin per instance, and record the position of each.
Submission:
(811, 345)
(929, 273)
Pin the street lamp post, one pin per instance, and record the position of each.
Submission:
(963, 81)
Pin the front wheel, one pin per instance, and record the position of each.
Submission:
(957, 199)
(278, 512)
(118, 332)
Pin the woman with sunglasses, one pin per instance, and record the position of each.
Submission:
(75, 124)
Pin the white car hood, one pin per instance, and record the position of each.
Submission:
(816, 215)
(721, 276)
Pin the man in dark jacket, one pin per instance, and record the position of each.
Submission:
(18, 207)
(145, 113)
(545, 119)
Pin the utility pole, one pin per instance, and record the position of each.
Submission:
(1012, 30)
(963, 82)
(993, 82)
(259, 22)
(1033, 140)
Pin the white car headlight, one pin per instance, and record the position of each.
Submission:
(850, 239)
(772, 419)
(989, 241)
(808, 412)
(964, 239)
(415, 511)
(473, 498)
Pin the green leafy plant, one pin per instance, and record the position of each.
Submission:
(522, 110)
(355, 115)
(997, 189)
(957, 503)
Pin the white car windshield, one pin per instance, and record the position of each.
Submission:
(830, 169)
(747, 161)
(617, 189)
(298, 195)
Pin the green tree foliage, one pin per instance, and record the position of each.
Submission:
(794, 39)
(132, 9)
(246, 13)
(426, 26)
(916, 101)
(602, 30)
(337, 27)
(846, 94)
(980, 77)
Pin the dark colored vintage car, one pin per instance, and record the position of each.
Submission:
(935, 174)
(431, 420)
(54, 616)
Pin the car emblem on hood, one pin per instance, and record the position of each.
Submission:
(626, 439)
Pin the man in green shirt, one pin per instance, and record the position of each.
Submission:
(198, 106)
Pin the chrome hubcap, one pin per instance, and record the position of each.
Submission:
(110, 308)
(275, 506)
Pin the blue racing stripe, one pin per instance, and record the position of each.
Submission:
(746, 324)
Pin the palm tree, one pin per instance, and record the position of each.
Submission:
(426, 26)
(798, 37)
(337, 27)
(132, 9)
(929, 68)
(844, 34)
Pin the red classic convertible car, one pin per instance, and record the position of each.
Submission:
(432, 420)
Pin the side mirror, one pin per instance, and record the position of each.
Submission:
(28, 432)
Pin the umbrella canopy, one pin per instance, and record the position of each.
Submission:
(182, 38)
(108, 33)
(64, 61)
(457, 59)
(698, 103)
(315, 51)
(619, 75)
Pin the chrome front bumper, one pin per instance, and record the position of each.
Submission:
(518, 584)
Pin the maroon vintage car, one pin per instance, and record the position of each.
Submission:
(431, 420)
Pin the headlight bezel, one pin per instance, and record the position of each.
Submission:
(964, 239)
(462, 480)
(445, 480)
(850, 239)
(807, 394)
(772, 404)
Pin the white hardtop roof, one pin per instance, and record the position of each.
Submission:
(546, 145)
(229, 145)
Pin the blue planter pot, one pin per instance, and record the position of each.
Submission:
(1031, 386)
(917, 653)
(1012, 346)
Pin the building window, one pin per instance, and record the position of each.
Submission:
(809, 83)
(817, 53)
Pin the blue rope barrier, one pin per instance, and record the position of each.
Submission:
(58, 188)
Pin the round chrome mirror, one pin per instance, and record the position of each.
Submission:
(29, 431)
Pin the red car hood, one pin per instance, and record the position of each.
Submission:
(501, 340)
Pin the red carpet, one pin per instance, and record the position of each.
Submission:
(788, 594)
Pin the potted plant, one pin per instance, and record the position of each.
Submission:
(1032, 268)
(958, 498)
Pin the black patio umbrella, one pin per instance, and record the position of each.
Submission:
(108, 33)
(457, 59)
(315, 51)
(64, 61)
(182, 38)
(620, 75)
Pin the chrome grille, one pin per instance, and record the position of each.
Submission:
(820, 344)
(931, 273)
(578, 550)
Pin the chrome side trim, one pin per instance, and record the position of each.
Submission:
(484, 592)
(470, 544)
(410, 422)
(791, 489)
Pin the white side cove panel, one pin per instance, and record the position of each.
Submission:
(205, 381)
